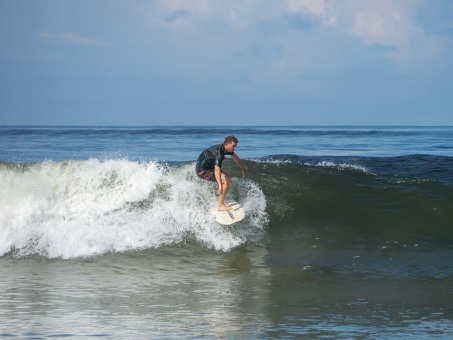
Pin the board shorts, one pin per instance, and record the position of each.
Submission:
(207, 175)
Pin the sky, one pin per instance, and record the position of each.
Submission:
(235, 62)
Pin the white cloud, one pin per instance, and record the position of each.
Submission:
(237, 14)
(390, 27)
(302, 31)
(318, 8)
(394, 25)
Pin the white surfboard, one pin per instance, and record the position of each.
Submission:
(234, 215)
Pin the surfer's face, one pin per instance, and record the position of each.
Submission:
(230, 147)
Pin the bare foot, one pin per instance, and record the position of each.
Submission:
(223, 208)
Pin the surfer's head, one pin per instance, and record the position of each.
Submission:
(229, 140)
(230, 143)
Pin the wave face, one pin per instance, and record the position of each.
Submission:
(76, 209)
(386, 216)
(410, 195)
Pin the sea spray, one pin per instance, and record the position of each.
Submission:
(83, 208)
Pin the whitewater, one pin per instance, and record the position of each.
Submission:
(83, 208)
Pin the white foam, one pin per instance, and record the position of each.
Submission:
(330, 164)
(84, 208)
(341, 166)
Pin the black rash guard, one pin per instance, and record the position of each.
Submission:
(211, 157)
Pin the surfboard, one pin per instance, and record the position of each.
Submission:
(234, 215)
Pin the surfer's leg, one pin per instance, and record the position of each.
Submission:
(226, 181)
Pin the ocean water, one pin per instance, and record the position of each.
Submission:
(107, 232)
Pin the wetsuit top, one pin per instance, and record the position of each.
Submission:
(211, 157)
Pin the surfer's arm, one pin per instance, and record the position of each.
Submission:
(239, 162)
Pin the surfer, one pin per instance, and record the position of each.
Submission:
(209, 166)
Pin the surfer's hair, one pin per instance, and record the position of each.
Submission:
(230, 139)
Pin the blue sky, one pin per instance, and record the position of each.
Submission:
(236, 62)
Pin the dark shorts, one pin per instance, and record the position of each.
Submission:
(208, 175)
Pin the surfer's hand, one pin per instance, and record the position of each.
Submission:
(219, 191)
(244, 171)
